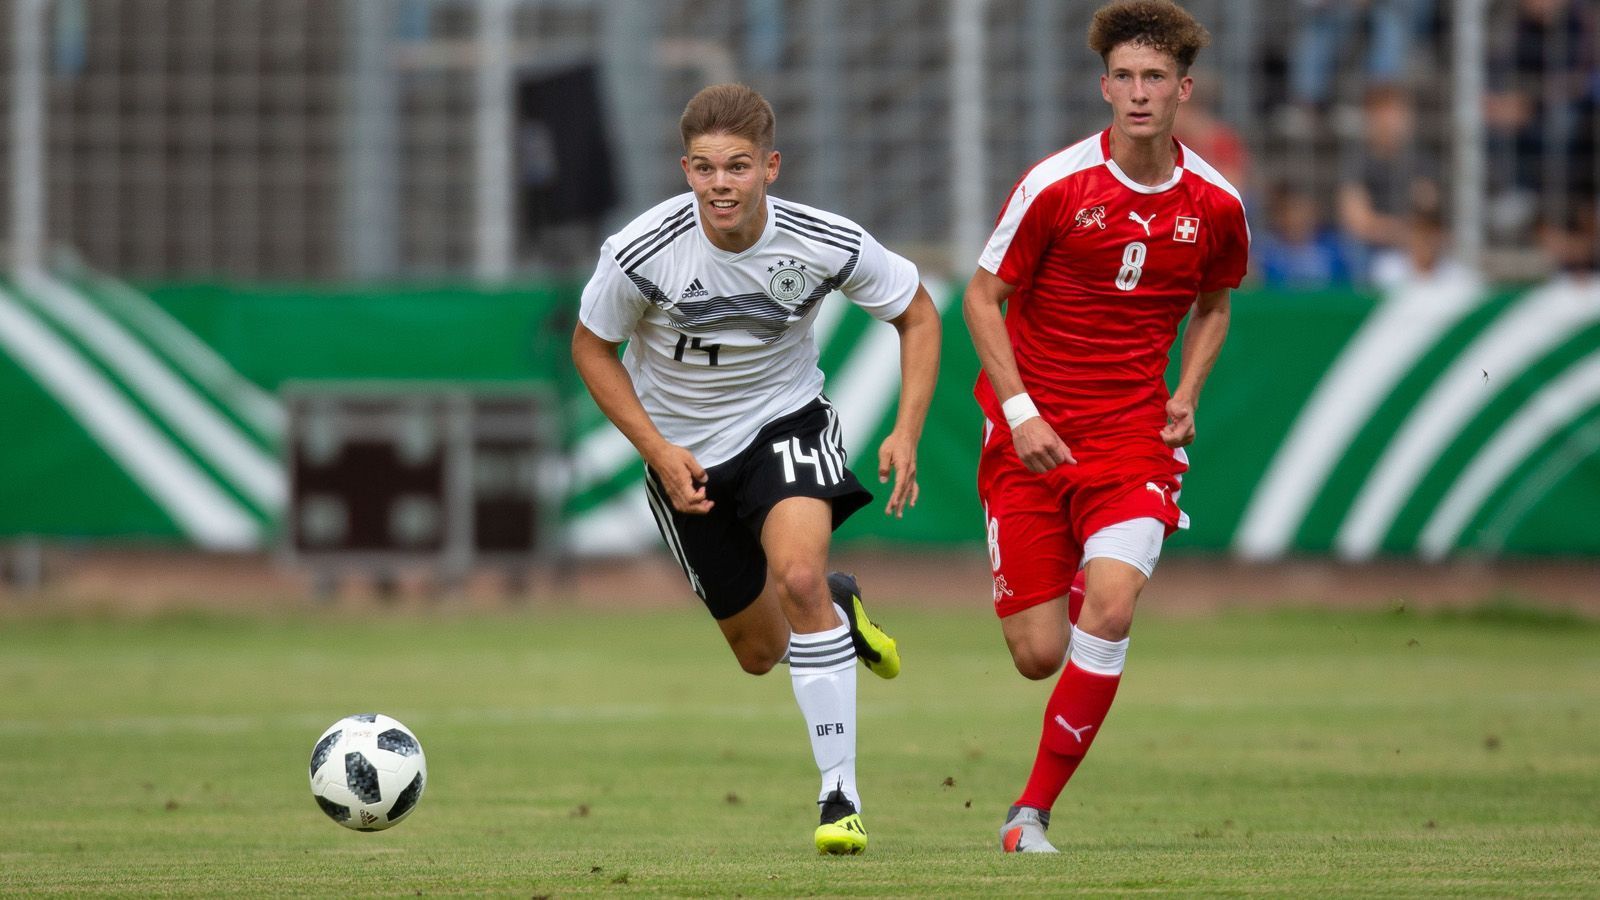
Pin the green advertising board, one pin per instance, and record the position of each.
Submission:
(1443, 419)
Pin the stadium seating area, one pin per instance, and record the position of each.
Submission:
(302, 139)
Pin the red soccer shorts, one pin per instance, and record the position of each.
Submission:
(1037, 523)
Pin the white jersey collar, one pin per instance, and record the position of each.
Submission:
(1130, 184)
(1117, 173)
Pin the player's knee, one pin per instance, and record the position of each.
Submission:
(757, 665)
(1117, 628)
(800, 583)
(1110, 618)
(758, 659)
(759, 649)
(1037, 668)
(1038, 661)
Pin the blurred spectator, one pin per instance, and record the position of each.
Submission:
(1392, 27)
(1424, 255)
(1573, 243)
(1541, 73)
(1385, 179)
(1299, 249)
(1216, 142)
(1570, 233)
(1585, 146)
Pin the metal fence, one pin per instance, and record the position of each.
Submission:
(293, 139)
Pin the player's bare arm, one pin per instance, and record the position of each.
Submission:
(1202, 343)
(608, 382)
(1038, 445)
(920, 332)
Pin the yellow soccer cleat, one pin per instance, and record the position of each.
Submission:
(873, 646)
(841, 832)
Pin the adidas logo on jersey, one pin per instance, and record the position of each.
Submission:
(695, 289)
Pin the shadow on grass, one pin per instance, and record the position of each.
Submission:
(1510, 611)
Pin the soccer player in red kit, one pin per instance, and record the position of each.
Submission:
(1098, 254)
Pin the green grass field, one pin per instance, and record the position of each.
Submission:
(1265, 753)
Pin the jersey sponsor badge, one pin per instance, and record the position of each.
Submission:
(1095, 215)
(1186, 230)
(788, 282)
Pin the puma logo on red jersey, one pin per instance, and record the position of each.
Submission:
(1154, 488)
(1093, 214)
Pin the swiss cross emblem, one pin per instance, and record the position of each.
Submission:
(1186, 229)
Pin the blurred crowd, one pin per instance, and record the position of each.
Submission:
(1355, 79)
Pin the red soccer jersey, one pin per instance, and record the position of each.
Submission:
(1104, 269)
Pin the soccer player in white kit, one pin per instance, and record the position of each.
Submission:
(715, 293)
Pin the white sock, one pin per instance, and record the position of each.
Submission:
(1096, 654)
(822, 667)
(843, 619)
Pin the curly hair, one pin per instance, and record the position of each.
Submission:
(1158, 24)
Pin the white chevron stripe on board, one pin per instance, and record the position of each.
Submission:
(1575, 450)
(1557, 403)
(868, 382)
(202, 510)
(620, 526)
(215, 438)
(257, 407)
(1390, 342)
(1538, 323)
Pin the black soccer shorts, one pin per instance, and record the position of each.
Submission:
(799, 455)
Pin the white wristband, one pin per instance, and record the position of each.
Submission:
(1019, 409)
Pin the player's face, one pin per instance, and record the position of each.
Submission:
(1144, 89)
(729, 176)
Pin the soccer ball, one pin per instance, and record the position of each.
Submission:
(367, 772)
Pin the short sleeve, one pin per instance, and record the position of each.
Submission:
(883, 282)
(1024, 231)
(1230, 249)
(611, 306)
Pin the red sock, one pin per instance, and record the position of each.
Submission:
(1072, 718)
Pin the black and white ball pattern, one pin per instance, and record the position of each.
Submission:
(368, 772)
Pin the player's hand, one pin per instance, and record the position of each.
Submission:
(1039, 447)
(898, 454)
(683, 477)
(1179, 431)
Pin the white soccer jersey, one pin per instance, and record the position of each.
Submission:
(720, 343)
